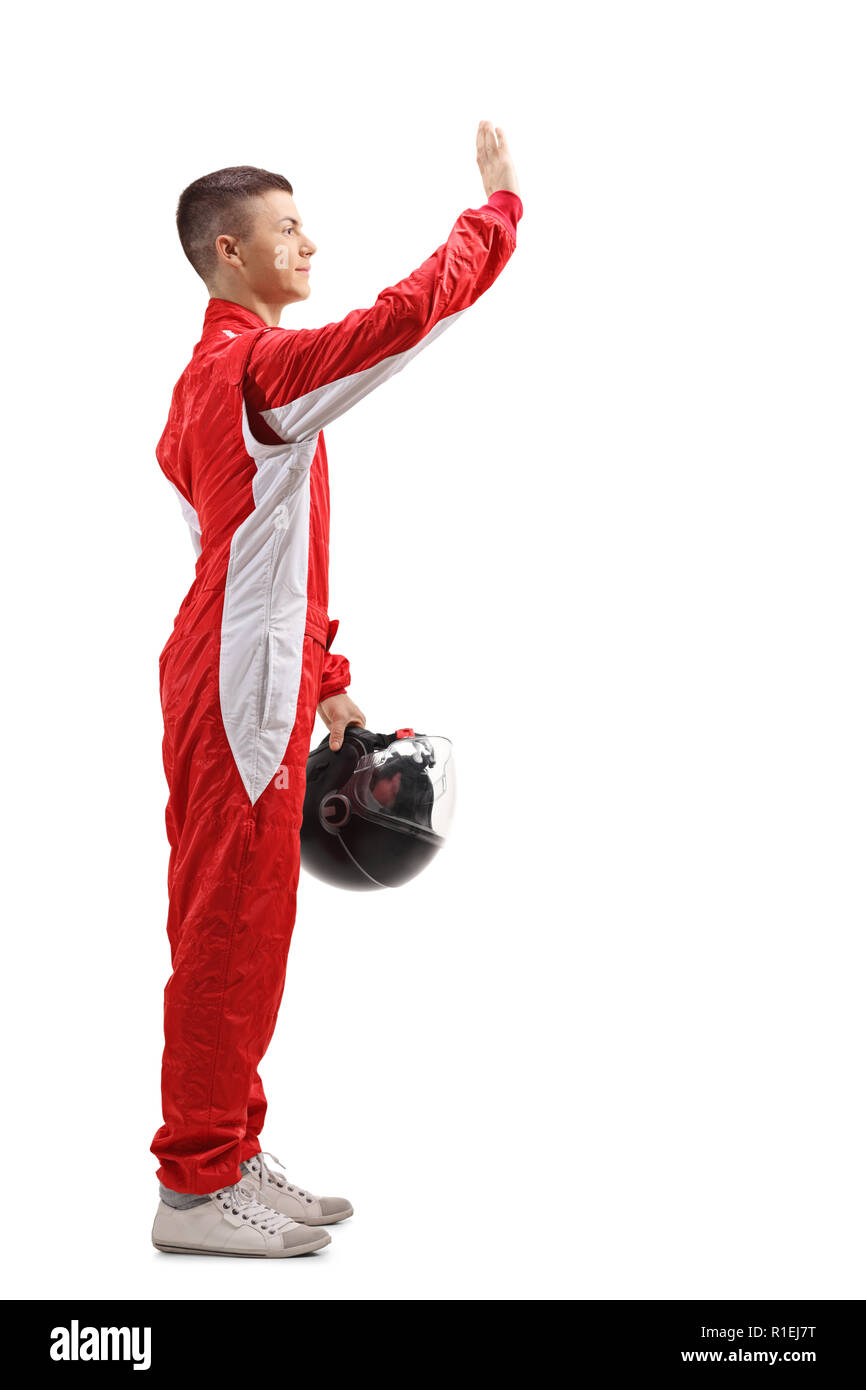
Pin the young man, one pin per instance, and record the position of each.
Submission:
(249, 661)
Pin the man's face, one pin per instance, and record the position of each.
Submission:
(273, 260)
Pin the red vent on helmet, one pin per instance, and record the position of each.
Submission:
(405, 733)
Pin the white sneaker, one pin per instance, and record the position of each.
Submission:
(299, 1203)
(232, 1222)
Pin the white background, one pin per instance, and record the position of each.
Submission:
(611, 1044)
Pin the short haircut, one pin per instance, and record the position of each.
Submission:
(218, 204)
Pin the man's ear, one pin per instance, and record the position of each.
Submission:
(228, 250)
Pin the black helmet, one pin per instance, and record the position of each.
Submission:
(378, 809)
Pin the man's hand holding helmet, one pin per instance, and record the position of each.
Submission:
(338, 711)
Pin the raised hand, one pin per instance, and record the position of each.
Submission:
(494, 159)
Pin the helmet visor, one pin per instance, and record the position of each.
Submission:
(409, 786)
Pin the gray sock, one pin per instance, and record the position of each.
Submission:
(181, 1201)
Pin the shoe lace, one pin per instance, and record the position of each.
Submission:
(240, 1200)
(266, 1173)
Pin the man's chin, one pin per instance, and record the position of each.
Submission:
(296, 290)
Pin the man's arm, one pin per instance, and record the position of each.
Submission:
(335, 705)
(336, 675)
(400, 314)
(299, 380)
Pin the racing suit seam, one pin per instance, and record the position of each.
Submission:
(267, 692)
(257, 748)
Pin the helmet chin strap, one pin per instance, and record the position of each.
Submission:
(358, 866)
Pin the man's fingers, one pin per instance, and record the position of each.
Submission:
(492, 148)
(338, 730)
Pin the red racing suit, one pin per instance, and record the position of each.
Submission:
(249, 660)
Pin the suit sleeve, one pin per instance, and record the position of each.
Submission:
(335, 670)
(299, 380)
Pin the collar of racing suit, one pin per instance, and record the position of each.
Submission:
(224, 315)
